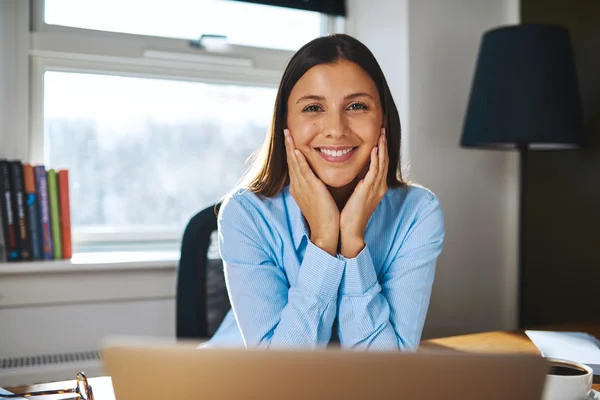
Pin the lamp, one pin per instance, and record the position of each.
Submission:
(524, 96)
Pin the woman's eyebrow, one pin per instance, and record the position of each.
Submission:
(310, 97)
(357, 94)
(314, 97)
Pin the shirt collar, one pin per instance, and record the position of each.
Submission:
(296, 219)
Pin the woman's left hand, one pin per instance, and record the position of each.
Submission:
(363, 201)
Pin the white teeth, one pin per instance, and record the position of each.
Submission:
(334, 153)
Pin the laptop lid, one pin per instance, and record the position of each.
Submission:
(175, 371)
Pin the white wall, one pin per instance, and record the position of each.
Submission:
(427, 49)
(71, 327)
(73, 307)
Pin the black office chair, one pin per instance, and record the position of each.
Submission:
(202, 300)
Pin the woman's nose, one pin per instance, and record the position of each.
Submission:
(334, 125)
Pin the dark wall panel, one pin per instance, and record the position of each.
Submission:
(562, 198)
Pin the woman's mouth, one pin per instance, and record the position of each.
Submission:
(336, 154)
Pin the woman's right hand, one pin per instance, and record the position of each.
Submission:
(313, 198)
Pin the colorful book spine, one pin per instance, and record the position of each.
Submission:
(41, 181)
(8, 218)
(31, 200)
(54, 214)
(65, 213)
(2, 244)
(20, 210)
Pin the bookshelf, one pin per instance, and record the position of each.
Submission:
(100, 261)
(35, 217)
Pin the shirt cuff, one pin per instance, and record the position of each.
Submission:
(359, 276)
(320, 272)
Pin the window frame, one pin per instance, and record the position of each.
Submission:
(68, 49)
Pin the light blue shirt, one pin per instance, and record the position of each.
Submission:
(286, 292)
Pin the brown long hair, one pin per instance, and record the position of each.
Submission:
(268, 174)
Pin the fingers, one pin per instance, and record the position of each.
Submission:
(377, 174)
(291, 155)
(371, 176)
(299, 168)
(289, 142)
(383, 156)
(304, 168)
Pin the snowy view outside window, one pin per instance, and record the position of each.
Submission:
(149, 152)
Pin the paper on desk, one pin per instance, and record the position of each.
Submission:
(4, 391)
(574, 346)
(594, 395)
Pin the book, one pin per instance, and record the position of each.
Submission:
(572, 346)
(4, 392)
(2, 244)
(8, 222)
(20, 210)
(54, 213)
(65, 213)
(31, 200)
(41, 182)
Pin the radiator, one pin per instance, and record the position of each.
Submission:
(30, 370)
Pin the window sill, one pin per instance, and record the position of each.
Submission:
(97, 262)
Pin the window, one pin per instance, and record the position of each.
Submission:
(152, 129)
(147, 153)
(243, 23)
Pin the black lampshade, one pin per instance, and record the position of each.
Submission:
(525, 91)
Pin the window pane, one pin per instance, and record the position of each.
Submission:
(242, 23)
(146, 153)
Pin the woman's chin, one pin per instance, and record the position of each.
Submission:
(337, 181)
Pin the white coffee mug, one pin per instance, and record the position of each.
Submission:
(567, 380)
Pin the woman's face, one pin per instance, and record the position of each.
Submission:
(335, 118)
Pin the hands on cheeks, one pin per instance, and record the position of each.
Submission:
(364, 200)
(327, 224)
(313, 198)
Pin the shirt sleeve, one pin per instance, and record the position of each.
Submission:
(391, 315)
(268, 311)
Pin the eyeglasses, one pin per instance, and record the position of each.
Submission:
(83, 390)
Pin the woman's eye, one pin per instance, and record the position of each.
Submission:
(312, 108)
(358, 106)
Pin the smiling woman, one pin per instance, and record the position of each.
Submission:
(336, 130)
(325, 241)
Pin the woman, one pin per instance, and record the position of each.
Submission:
(326, 239)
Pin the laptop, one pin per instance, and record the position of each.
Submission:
(159, 371)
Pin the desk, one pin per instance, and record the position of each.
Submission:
(489, 342)
(505, 342)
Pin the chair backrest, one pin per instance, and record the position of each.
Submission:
(202, 301)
